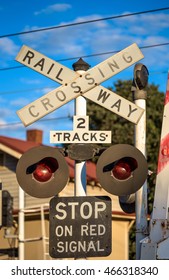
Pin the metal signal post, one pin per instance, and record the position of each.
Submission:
(80, 110)
(140, 96)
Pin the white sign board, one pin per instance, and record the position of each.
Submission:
(80, 134)
(79, 84)
(115, 103)
(46, 66)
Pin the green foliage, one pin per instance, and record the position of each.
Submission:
(103, 119)
(123, 131)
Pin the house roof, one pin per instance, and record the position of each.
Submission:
(17, 147)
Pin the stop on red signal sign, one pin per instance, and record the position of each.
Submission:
(80, 227)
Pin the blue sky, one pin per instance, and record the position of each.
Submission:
(20, 86)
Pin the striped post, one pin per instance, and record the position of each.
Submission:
(0, 203)
(161, 199)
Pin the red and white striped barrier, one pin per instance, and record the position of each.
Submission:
(161, 200)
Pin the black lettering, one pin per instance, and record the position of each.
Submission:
(28, 56)
(58, 74)
(88, 78)
(12, 271)
(33, 114)
(131, 111)
(50, 68)
(117, 105)
(81, 123)
(46, 103)
(103, 95)
(73, 85)
(76, 137)
(114, 64)
(60, 95)
(66, 136)
(127, 59)
(83, 136)
(93, 136)
(58, 134)
(102, 136)
(40, 63)
(101, 72)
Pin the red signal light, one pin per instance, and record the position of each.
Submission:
(123, 168)
(44, 170)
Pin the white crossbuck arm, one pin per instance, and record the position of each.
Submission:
(74, 85)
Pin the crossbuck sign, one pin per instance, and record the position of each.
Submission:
(74, 84)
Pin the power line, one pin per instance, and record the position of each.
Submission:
(47, 87)
(42, 120)
(82, 22)
(26, 90)
(87, 56)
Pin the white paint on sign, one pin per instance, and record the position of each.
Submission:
(86, 211)
(47, 104)
(78, 85)
(74, 207)
(46, 66)
(79, 246)
(81, 133)
(115, 103)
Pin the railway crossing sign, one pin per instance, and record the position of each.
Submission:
(74, 84)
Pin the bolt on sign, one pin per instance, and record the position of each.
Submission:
(80, 227)
(74, 84)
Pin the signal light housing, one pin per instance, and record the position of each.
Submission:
(121, 169)
(127, 203)
(42, 172)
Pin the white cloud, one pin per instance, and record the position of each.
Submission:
(2, 122)
(5, 112)
(8, 47)
(30, 81)
(104, 36)
(54, 8)
(20, 102)
(100, 36)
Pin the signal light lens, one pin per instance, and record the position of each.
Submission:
(123, 168)
(43, 170)
(42, 173)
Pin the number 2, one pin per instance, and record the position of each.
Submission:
(81, 123)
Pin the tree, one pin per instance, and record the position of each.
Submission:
(123, 130)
